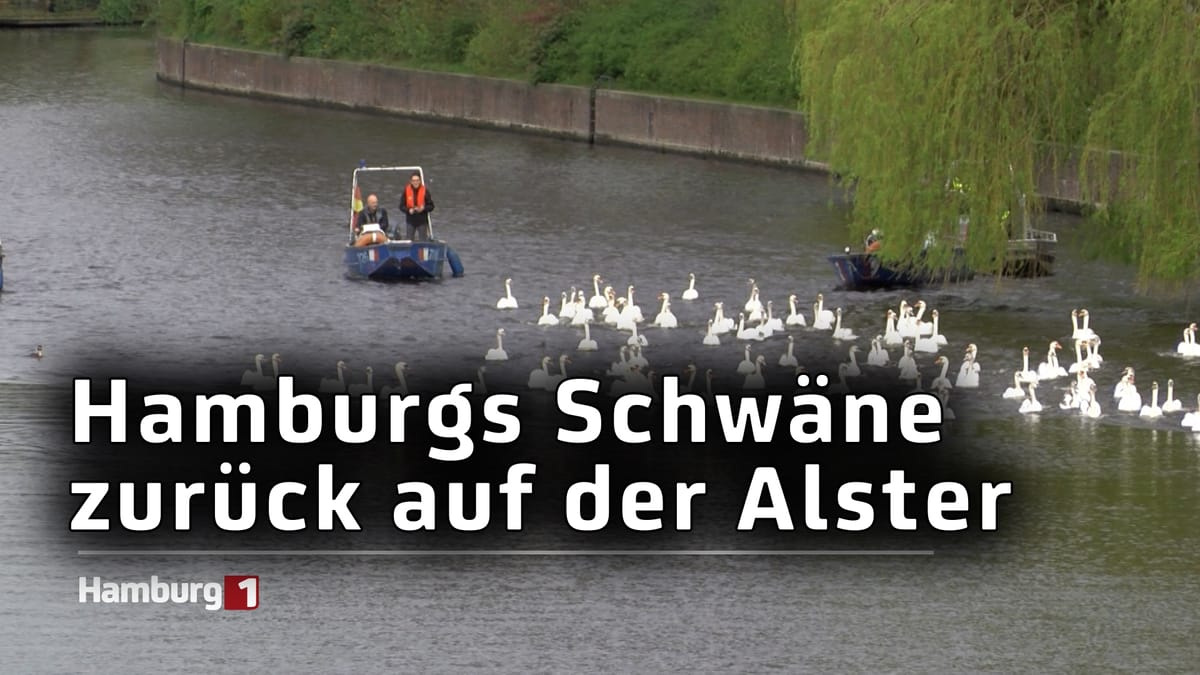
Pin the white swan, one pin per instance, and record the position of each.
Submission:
(1131, 400)
(612, 308)
(1031, 404)
(722, 323)
(1090, 406)
(1025, 375)
(1192, 418)
(891, 336)
(587, 344)
(547, 319)
(718, 320)
(665, 318)
(566, 308)
(637, 339)
(497, 353)
(822, 318)
(508, 301)
(631, 306)
(755, 380)
(941, 381)
(764, 329)
(1152, 410)
(1085, 332)
(907, 364)
(788, 358)
(753, 305)
(1014, 391)
(552, 381)
(583, 314)
(794, 318)
(852, 367)
(930, 343)
(366, 388)
(253, 377)
(1083, 384)
(598, 301)
(747, 365)
(710, 338)
(270, 382)
(619, 368)
(1093, 357)
(334, 385)
(1172, 404)
(906, 324)
(691, 293)
(1189, 347)
(1076, 332)
(744, 333)
(626, 319)
(538, 376)
(401, 387)
(841, 386)
(840, 333)
(774, 323)
(878, 356)
(923, 327)
(1071, 398)
(968, 373)
(1081, 363)
(636, 358)
(943, 395)
(1124, 384)
(1049, 369)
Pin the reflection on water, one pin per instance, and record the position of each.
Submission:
(148, 225)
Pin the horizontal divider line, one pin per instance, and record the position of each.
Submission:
(499, 552)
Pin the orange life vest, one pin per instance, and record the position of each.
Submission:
(370, 239)
(418, 202)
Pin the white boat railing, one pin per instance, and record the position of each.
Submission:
(1038, 235)
(364, 169)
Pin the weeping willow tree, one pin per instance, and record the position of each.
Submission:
(910, 99)
(1151, 116)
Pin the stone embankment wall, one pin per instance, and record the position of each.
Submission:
(752, 133)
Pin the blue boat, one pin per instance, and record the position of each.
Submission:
(866, 272)
(401, 260)
(370, 254)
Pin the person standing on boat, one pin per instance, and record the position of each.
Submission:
(372, 214)
(873, 242)
(416, 203)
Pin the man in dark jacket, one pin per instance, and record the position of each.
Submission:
(372, 214)
(416, 204)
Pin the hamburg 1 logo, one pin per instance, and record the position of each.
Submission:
(240, 592)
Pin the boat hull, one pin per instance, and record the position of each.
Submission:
(865, 272)
(397, 261)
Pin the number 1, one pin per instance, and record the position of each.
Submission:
(250, 585)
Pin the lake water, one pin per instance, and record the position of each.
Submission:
(169, 231)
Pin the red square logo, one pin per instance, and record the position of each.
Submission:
(241, 592)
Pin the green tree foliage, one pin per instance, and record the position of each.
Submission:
(123, 11)
(903, 97)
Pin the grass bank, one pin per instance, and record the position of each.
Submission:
(728, 50)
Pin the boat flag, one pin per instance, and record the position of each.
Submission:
(356, 205)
